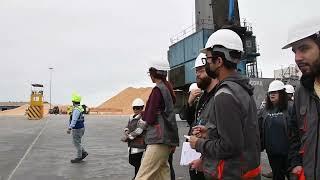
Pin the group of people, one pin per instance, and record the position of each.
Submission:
(225, 124)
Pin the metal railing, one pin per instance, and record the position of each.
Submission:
(203, 24)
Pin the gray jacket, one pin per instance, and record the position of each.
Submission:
(165, 130)
(232, 150)
(305, 130)
(136, 128)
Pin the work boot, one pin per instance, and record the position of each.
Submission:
(268, 175)
(76, 160)
(84, 155)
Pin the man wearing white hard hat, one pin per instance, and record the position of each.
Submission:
(230, 146)
(304, 155)
(197, 109)
(289, 91)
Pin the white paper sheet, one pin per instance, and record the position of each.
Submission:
(188, 154)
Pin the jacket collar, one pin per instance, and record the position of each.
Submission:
(307, 81)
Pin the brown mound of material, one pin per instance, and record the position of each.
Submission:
(121, 103)
(20, 111)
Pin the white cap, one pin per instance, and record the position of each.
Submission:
(289, 89)
(193, 86)
(303, 30)
(276, 85)
(199, 61)
(137, 102)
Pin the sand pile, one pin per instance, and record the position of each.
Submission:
(63, 108)
(121, 103)
(20, 111)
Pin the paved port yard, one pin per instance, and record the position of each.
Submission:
(41, 150)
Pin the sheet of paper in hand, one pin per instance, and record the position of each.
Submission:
(188, 154)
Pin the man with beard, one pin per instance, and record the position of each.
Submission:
(304, 152)
(196, 111)
(230, 146)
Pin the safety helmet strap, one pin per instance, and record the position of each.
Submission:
(226, 53)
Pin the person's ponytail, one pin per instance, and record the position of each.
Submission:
(162, 75)
(169, 86)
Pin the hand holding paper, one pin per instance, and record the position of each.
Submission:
(188, 154)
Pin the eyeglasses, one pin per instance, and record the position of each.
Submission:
(205, 60)
(200, 70)
(137, 107)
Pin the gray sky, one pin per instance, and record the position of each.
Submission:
(100, 47)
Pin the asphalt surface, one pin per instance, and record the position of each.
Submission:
(41, 150)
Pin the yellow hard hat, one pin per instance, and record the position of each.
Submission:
(75, 97)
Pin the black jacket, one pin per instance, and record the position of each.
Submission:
(197, 110)
(277, 148)
(305, 130)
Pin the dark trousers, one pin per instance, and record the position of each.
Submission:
(279, 166)
(135, 161)
(196, 175)
(172, 173)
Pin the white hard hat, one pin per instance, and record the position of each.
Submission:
(162, 65)
(226, 38)
(193, 86)
(276, 85)
(289, 88)
(137, 102)
(303, 30)
(199, 61)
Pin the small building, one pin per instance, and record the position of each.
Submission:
(11, 105)
(292, 71)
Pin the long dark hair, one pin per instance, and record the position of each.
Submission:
(162, 75)
(282, 104)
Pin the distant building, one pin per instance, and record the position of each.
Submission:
(291, 72)
(11, 105)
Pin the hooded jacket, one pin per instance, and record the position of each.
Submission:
(232, 149)
(304, 129)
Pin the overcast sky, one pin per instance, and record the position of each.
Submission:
(100, 47)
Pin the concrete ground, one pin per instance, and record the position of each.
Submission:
(41, 150)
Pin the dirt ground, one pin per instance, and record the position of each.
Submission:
(20, 111)
(41, 149)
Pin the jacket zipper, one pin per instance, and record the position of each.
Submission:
(316, 152)
(317, 144)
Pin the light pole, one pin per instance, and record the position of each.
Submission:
(50, 68)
